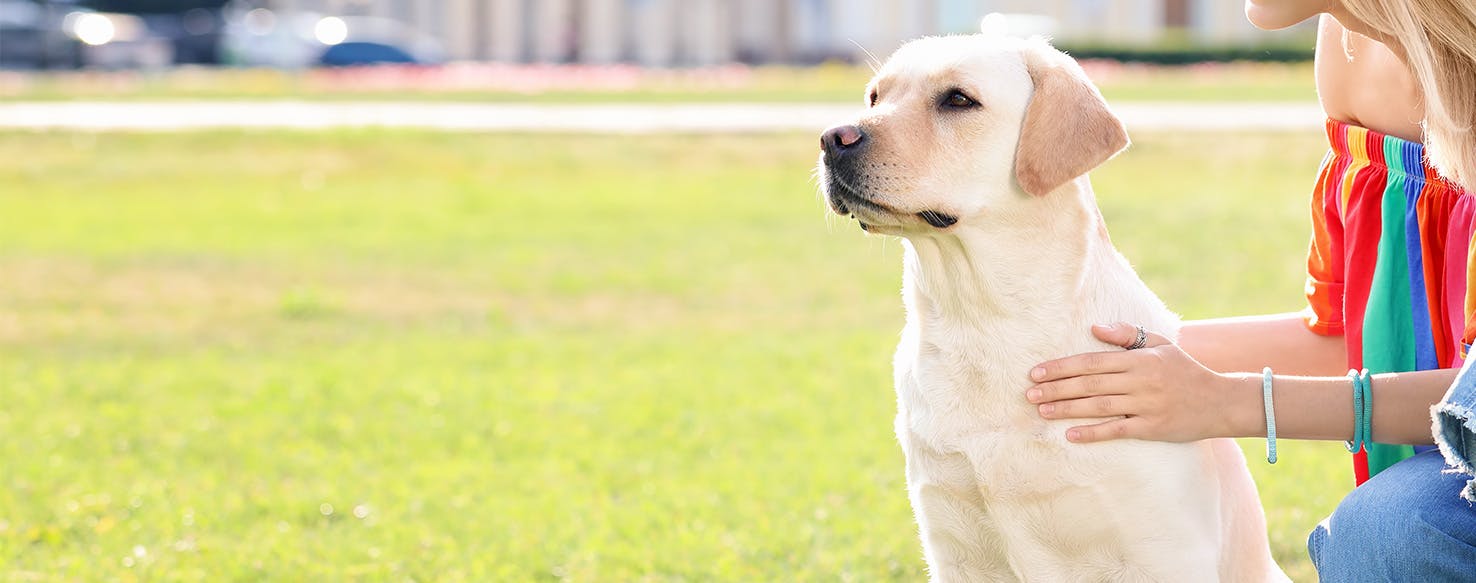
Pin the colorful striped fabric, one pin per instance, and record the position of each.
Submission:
(1389, 263)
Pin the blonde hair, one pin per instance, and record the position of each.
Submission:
(1438, 39)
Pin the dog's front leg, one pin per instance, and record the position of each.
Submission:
(960, 540)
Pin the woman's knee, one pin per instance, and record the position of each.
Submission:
(1397, 524)
(1355, 538)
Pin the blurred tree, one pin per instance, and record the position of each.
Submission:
(150, 6)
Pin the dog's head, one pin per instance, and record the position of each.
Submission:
(956, 127)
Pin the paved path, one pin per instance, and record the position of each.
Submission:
(610, 118)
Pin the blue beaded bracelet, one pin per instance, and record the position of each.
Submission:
(1357, 442)
(1270, 415)
(1366, 416)
(1362, 410)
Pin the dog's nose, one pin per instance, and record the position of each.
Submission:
(839, 139)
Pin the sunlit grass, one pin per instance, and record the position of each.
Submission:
(392, 355)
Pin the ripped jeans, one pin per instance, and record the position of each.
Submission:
(1407, 523)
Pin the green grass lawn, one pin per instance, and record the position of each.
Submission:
(1212, 82)
(401, 355)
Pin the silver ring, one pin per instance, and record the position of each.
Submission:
(1140, 341)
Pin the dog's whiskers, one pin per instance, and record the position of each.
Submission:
(871, 61)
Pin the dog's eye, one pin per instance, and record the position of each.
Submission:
(871, 98)
(957, 100)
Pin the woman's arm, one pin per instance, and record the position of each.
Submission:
(1322, 407)
(1166, 395)
(1280, 341)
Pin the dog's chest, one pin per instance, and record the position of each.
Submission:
(970, 405)
(1007, 490)
(961, 404)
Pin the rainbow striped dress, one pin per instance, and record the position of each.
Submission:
(1389, 264)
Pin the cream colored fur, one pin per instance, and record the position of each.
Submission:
(999, 494)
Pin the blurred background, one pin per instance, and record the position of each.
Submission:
(515, 290)
(296, 33)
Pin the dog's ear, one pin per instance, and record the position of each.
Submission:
(1068, 128)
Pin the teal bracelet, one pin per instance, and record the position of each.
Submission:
(1270, 415)
(1366, 416)
(1357, 442)
(1360, 380)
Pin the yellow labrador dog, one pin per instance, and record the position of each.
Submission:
(974, 150)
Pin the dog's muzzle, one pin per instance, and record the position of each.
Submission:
(843, 147)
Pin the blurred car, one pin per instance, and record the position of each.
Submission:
(33, 35)
(118, 41)
(264, 38)
(363, 40)
(194, 35)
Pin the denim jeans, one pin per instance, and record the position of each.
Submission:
(1455, 425)
(1407, 523)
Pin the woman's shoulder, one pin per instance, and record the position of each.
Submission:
(1362, 82)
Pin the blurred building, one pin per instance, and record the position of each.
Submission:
(705, 32)
(1140, 21)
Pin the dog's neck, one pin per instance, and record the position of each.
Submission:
(1037, 270)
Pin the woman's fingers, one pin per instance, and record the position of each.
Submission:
(1124, 334)
(1129, 428)
(1120, 334)
(1090, 363)
(1104, 406)
(1078, 387)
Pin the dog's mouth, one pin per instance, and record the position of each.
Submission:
(937, 219)
(846, 201)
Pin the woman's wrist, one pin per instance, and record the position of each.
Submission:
(1241, 406)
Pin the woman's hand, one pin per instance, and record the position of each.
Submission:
(1161, 392)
